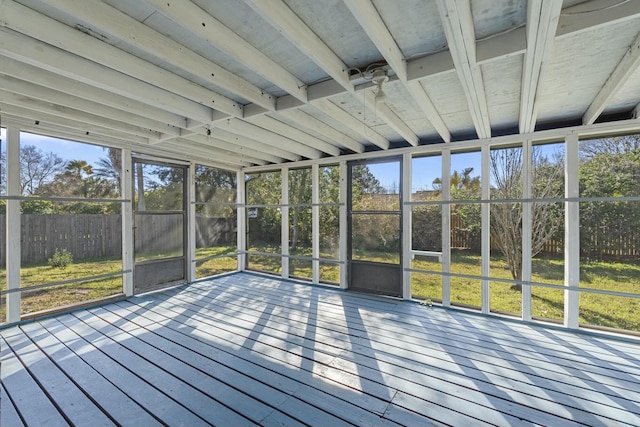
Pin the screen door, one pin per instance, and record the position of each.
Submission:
(374, 224)
(159, 219)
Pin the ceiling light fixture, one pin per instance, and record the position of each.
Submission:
(378, 78)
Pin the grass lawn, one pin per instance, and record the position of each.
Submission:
(217, 265)
(595, 309)
(58, 296)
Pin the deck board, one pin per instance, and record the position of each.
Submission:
(246, 349)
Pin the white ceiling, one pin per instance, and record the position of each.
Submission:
(254, 82)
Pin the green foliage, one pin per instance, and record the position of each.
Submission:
(608, 225)
(61, 259)
(37, 207)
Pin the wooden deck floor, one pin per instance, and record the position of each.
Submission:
(249, 350)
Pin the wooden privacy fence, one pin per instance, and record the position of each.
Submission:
(100, 236)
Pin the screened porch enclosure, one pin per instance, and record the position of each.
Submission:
(468, 166)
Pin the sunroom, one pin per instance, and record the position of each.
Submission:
(328, 212)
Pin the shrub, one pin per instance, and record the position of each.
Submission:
(61, 259)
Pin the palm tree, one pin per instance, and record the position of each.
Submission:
(78, 168)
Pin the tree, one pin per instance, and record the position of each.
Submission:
(610, 224)
(37, 168)
(506, 217)
(591, 148)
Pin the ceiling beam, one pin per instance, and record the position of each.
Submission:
(42, 55)
(351, 122)
(198, 21)
(87, 129)
(197, 149)
(281, 17)
(291, 132)
(458, 27)
(84, 117)
(243, 141)
(241, 150)
(491, 49)
(382, 110)
(72, 134)
(170, 123)
(305, 120)
(109, 21)
(542, 21)
(148, 127)
(270, 138)
(370, 20)
(29, 22)
(626, 68)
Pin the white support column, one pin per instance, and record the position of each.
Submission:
(446, 226)
(527, 169)
(344, 283)
(406, 224)
(191, 222)
(13, 223)
(284, 209)
(571, 232)
(486, 227)
(315, 222)
(126, 184)
(241, 215)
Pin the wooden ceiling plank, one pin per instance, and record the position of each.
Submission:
(189, 15)
(38, 26)
(627, 66)
(109, 21)
(351, 122)
(542, 22)
(287, 131)
(55, 117)
(458, 27)
(370, 20)
(42, 55)
(311, 123)
(170, 123)
(281, 17)
(150, 128)
(243, 141)
(270, 138)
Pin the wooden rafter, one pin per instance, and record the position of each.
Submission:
(627, 66)
(370, 20)
(542, 21)
(458, 27)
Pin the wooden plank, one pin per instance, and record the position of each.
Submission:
(115, 401)
(9, 415)
(341, 402)
(442, 381)
(270, 345)
(221, 396)
(27, 396)
(407, 314)
(202, 408)
(156, 400)
(442, 353)
(473, 350)
(413, 320)
(65, 395)
(262, 387)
